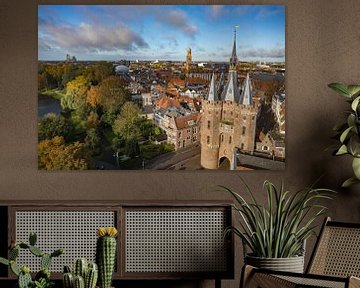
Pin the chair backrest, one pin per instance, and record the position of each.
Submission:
(337, 251)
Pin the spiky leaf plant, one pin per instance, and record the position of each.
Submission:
(279, 229)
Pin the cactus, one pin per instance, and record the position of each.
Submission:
(32, 239)
(24, 280)
(36, 251)
(90, 272)
(80, 267)
(105, 254)
(45, 261)
(68, 280)
(42, 278)
(79, 282)
(91, 276)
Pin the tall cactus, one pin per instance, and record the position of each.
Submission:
(106, 254)
(79, 282)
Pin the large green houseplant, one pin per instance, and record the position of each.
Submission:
(279, 229)
(349, 132)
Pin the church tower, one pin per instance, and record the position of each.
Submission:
(188, 60)
(229, 119)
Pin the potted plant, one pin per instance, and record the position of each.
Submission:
(42, 278)
(276, 233)
(349, 131)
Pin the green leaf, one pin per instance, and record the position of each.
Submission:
(340, 88)
(349, 182)
(342, 150)
(353, 89)
(4, 261)
(345, 134)
(354, 145)
(355, 103)
(351, 120)
(356, 167)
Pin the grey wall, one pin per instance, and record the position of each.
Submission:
(322, 46)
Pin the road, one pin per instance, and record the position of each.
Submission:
(184, 159)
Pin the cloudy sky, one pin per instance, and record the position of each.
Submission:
(149, 32)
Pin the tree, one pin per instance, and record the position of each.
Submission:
(52, 125)
(93, 120)
(92, 141)
(113, 94)
(54, 154)
(76, 92)
(126, 125)
(93, 96)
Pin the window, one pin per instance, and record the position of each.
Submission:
(194, 130)
(242, 146)
(222, 137)
(179, 134)
(179, 143)
(208, 124)
(265, 148)
(230, 139)
(183, 143)
(208, 140)
(253, 118)
(231, 113)
(243, 130)
(244, 117)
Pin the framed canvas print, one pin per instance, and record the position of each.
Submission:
(162, 87)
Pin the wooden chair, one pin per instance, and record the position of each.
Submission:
(335, 262)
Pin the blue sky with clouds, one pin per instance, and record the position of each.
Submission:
(149, 32)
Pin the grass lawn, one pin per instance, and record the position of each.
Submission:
(55, 94)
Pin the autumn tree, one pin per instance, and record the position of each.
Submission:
(93, 120)
(52, 125)
(113, 94)
(54, 154)
(93, 96)
(76, 92)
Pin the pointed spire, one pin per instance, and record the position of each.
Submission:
(246, 94)
(233, 58)
(212, 90)
(231, 90)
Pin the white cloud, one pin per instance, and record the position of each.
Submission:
(88, 37)
(178, 20)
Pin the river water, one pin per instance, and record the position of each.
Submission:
(47, 105)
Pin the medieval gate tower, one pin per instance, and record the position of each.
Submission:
(229, 117)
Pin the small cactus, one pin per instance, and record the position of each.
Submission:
(89, 272)
(91, 276)
(106, 254)
(79, 282)
(80, 267)
(68, 280)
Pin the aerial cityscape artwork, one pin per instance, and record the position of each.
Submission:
(161, 87)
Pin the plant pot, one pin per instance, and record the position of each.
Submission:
(291, 264)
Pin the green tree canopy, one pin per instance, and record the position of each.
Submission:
(52, 125)
(126, 125)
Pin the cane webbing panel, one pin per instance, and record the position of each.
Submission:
(338, 252)
(74, 231)
(175, 241)
(313, 282)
